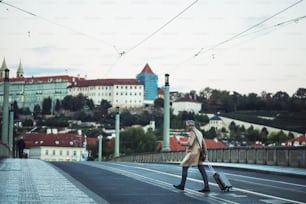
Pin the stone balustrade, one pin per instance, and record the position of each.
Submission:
(275, 156)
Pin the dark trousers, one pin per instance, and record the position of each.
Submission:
(20, 152)
(203, 174)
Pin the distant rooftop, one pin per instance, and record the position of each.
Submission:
(147, 69)
(106, 82)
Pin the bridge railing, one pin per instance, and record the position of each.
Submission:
(275, 156)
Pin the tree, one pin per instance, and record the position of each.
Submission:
(67, 102)
(211, 133)
(300, 93)
(46, 106)
(36, 111)
(252, 135)
(159, 103)
(90, 104)
(74, 103)
(264, 135)
(57, 105)
(101, 112)
(277, 138)
(214, 101)
(135, 140)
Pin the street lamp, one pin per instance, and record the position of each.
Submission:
(166, 115)
(100, 148)
(5, 112)
(117, 139)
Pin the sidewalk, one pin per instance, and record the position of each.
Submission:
(31, 181)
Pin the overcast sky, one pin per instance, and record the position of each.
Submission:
(193, 41)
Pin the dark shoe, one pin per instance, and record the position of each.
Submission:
(204, 190)
(179, 187)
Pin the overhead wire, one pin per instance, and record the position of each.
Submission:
(60, 25)
(276, 26)
(267, 30)
(203, 50)
(260, 33)
(160, 28)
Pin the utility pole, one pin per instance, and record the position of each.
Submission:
(117, 133)
(166, 115)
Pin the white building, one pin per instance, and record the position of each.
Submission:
(124, 93)
(29, 91)
(186, 105)
(54, 147)
(215, 122)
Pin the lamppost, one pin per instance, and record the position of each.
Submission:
(5, 114)
(166, 115)
(100, 148)
(117, 132)
(11, 130)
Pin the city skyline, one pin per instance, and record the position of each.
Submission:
(242, 46)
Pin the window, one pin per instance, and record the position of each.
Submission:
(61, 152)
(74, 153)
(46, 152)
(53, 152)
(67, 153)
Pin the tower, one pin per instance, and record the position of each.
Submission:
(2, 69)
(20, 73)
(149, 81)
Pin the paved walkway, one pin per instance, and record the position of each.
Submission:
(31, 181)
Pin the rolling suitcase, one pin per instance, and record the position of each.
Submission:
(220, 178)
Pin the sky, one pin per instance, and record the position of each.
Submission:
(247, 46)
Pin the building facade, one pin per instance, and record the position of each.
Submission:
(55, 147)
(124, 93)
(149, 80)
(186, 105)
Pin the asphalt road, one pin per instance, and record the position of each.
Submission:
(142, 183)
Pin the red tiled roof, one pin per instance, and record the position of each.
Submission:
(60, 140)
(45, 78)
(160, 91)
(211, 143)
(257, 145)
(147, 69)
(299, 139)
(91, 141)
(174, 145)
(106, 82)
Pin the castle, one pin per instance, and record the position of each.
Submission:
(123, 93)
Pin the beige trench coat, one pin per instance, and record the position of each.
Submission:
(192, 149)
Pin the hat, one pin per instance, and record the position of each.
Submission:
(190, 122)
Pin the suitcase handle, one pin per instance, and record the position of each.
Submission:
(210, 166)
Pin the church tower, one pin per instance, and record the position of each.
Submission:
(20, 73)
(2, 69)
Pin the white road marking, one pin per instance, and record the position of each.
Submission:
(269, 180)
(189, 192)
(236, 189)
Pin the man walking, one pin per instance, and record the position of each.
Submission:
(192, 157)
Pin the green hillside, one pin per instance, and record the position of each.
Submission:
(293, 121)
